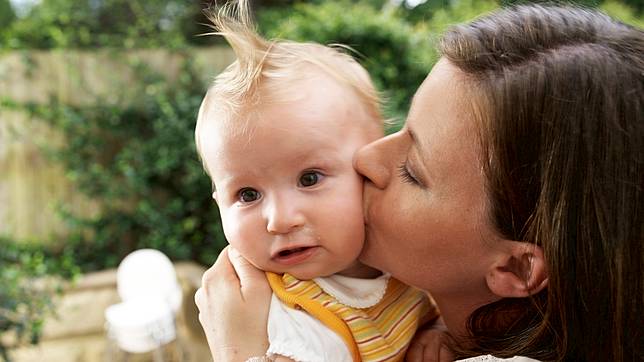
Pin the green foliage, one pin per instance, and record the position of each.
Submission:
(7, 15)
(100, 23)
(422, 12)
(457, 12)
(28, 290)
(139, 161)
(636, 5)
(624, 12)
(397, 57)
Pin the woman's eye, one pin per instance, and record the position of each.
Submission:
(310, 178)
(405, 175)
(248, 195)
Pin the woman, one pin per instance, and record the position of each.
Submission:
(513, 195)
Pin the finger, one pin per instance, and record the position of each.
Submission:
(250, 278)
(199, 297)
(415, 352)
(445, 354)
(201, 306)
(222, 261)
(221, 271)
(432, 350)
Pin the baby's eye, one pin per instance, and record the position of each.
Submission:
(310, 178)
(248, 195)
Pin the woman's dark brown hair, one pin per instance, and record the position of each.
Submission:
(561, 93)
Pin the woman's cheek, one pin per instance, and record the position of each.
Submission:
(393, 223)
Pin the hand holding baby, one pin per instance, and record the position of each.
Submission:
(238, 287)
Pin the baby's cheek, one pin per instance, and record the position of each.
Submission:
(348, 213)
(245, 234)
(233, 231)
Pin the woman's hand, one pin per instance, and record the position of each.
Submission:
(233, 304)
(429, 345)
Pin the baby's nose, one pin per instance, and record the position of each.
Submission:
(284, 217)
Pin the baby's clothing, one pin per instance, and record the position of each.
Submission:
(340, 318)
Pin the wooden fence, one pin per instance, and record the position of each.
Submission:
(31, 187)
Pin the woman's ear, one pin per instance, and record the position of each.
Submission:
(519, 272)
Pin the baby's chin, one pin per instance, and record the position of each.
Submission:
(355, 269)
(307, 275)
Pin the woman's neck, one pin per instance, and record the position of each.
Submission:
(456, 311)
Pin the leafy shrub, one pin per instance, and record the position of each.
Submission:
(7, 16)
(139, 161)
(25, 298)
(628, 13)
(105, 23)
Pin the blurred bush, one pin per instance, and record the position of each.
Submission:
(139, 161)
(7, 15)
(25, 299)
(631, 12)
(105, 23)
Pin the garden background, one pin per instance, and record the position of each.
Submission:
(98, 102)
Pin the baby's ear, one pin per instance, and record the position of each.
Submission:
(214, 196)
(519, 272)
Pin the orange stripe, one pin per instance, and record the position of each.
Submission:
(385, 304)
(387, 330)
(402, 318)
(390, 315)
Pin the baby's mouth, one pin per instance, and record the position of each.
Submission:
(288, 252)
(294, 255)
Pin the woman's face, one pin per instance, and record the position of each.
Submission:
(425, 203)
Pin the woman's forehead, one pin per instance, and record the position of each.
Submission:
(442, 101)
(442, 125)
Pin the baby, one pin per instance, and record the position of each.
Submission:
(277, 132)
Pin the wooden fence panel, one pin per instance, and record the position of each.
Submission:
(30, 185)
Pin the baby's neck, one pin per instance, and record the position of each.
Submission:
(359, 270)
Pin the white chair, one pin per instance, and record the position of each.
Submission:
(148, 273)
(145, 320)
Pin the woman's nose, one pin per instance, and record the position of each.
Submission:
(283, 216)
(374, 161)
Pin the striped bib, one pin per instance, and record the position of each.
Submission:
(381, 332)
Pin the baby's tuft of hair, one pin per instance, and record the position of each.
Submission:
(263, 69)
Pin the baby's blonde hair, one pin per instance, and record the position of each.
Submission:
(263, 63)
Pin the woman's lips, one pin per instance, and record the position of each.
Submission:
(295, 255)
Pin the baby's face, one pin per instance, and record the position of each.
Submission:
(289, 198)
